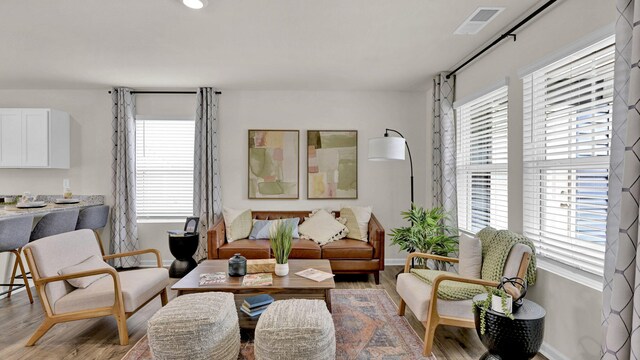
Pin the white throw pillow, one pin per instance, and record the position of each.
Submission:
(92, 263)
(470, 255)
(357, 221)
(322, 228)
(238, 223)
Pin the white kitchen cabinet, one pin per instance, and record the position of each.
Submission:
(34, 138)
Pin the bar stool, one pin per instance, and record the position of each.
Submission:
(55, 223)
(14, 234)
(94, 218)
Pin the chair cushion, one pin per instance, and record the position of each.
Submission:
(417, 294)
(60, 251)
(94, 262)
(238, 223)
(305, 249)
(251, 249)
(138, 286)
(515, 259)
(470, 249)
(347, 249)
(357, 221)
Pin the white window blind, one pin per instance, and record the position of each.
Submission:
(481, 166)
(164, 168)
(567, 127)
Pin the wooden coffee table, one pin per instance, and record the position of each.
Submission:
(291, 286)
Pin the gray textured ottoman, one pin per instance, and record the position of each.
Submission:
(295, 329)
(194, 327)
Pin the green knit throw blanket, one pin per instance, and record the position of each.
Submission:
(449, 290)
(496, 246)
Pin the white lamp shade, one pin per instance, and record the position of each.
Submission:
(386, 148)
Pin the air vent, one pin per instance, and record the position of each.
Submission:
(478, 20)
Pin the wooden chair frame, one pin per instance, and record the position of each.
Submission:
(434, 318)
(117, 310)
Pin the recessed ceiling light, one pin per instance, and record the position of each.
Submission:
(195, 4)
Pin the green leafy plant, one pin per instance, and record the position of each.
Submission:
(280, 241)
(427, 233)
(485, 304)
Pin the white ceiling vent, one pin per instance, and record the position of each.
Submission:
(478, 20)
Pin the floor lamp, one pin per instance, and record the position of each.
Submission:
(391, 148)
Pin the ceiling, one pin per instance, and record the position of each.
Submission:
(238, 44)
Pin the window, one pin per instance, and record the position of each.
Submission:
(164, 168)
(567, 127)
(481, 168)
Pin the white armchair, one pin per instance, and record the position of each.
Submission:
(120, 294)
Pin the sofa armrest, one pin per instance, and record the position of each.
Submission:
(134, 253)
(216, 236)
(376, 239)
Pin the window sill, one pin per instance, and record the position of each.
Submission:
(576, 275)
(161, 221)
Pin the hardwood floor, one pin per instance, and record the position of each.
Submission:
(98, 338)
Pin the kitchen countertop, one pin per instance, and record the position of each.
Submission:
(85, 201)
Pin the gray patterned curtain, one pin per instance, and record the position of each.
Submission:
(124, 228)
(207, 189)
(444, 147)
(621, 306)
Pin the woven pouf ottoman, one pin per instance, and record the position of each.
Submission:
(294, 330)
(194, 327)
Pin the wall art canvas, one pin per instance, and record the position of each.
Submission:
(273, 164)
(332, 164)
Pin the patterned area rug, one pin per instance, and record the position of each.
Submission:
(367, 327)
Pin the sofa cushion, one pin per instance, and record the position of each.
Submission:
(251, 249)
(305, 249)
(138, 286)
(347, 249)
(357, 221)
(93, 262)
(238, 223)
(322, 228)
(262, 229)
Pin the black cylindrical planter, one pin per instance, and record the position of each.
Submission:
(183, 248)
(518, 339)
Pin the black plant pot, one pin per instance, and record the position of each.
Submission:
(512, 339)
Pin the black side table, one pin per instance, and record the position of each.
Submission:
(183, 248)
(516, 339)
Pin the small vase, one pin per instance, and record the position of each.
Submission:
(282, 269)
(496, 304)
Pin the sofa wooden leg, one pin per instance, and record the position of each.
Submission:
(123, 332)
(376, 277)
(430, 330)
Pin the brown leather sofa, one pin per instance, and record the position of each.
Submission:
(347, 256)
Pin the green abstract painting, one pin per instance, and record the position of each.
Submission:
(332, 164)
(273, 164)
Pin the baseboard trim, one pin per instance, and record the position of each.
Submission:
(166, 263)
(551, 353)
(394, 262)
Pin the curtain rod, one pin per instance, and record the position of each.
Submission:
(166, 92)
(507, 34)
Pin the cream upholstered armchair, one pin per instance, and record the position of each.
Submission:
(74, 282)
(423, 297)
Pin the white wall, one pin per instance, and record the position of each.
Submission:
(383, 185)
(573, 310)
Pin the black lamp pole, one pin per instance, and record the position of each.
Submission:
(386, 134)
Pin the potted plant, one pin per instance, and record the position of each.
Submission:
(427, 233)
(280, 240)
(498, 300)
